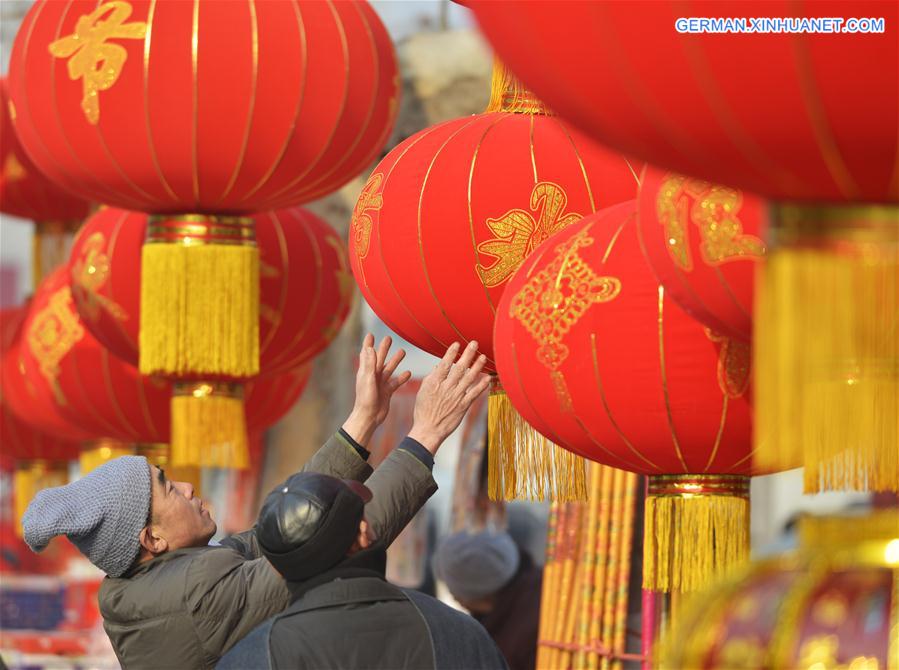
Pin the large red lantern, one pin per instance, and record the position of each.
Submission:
(755, 97)
(597, 357)
(200, 114)
(306, 294)
(703, 241)
(25, 192)
(449, 214)
(203, 107)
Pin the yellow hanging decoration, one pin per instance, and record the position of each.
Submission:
(523, 463)
(827, 347)
(507, 94)
(199, 300)
(94, 455)
(209, 426)
(32, 476)
(696, 529)
(50, 247)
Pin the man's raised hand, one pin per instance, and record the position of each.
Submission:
(447, 393)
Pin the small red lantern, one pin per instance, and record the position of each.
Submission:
(597, 357)
(306, 294)
(448, 215)
(703, 241)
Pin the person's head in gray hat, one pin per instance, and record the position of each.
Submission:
(123, 513)
(312, 523)
(475, 566)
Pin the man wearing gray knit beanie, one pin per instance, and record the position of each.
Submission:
(172, 600)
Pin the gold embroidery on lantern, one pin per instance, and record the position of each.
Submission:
(554, 300)
(518, 232)
(734, 364)
(97, 63)
(370, 200)
(90, 273)
(53, 333)
(13, 170)
(714, 212)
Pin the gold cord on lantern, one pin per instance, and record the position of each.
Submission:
(508, 94)
(200, 297)
(209, 426)
(827, 347)
(696, 529)
(524, 464)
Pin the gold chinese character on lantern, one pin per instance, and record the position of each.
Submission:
(92, 58)
(715, 213)
(518, 232)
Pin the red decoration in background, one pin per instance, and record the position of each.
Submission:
(817, 122)
(702, 240)
(596, 356)
(24, 191)
(305, 283)
(59, 371)
(204, 106)
(449, 215)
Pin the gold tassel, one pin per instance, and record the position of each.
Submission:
(32, 476)
(507, 94)
(199, 310)
(160, 456)
(523, 463)
(696, 529)
(209, 426)
(827, 347)
(100, 452)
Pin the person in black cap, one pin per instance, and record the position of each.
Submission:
(172, 600)
(344, 613)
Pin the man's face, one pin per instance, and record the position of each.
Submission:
(177, 515)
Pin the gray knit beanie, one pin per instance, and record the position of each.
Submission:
(475, 565)
(101, 513)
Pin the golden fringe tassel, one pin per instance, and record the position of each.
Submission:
(199, 310)
(208, 428)
(99, 453)
(32, 476)
(524, 464)
(827, 348)
(689, 541)
(508, 94)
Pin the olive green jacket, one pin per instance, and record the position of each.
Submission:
(186, 608)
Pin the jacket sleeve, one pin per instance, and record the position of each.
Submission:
(400, 486)
(228, 596)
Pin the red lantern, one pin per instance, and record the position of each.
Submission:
(306, 287)
(203, 107)
(236, 108)
(828, 310)
(39, 459)
(71, 375)
(702, 241)
(26, 193)
(448, 215)
(597, 357)
(702, 105)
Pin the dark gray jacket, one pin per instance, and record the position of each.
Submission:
(186, 608)
(351, 617)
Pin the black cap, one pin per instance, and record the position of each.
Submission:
(308, 524)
